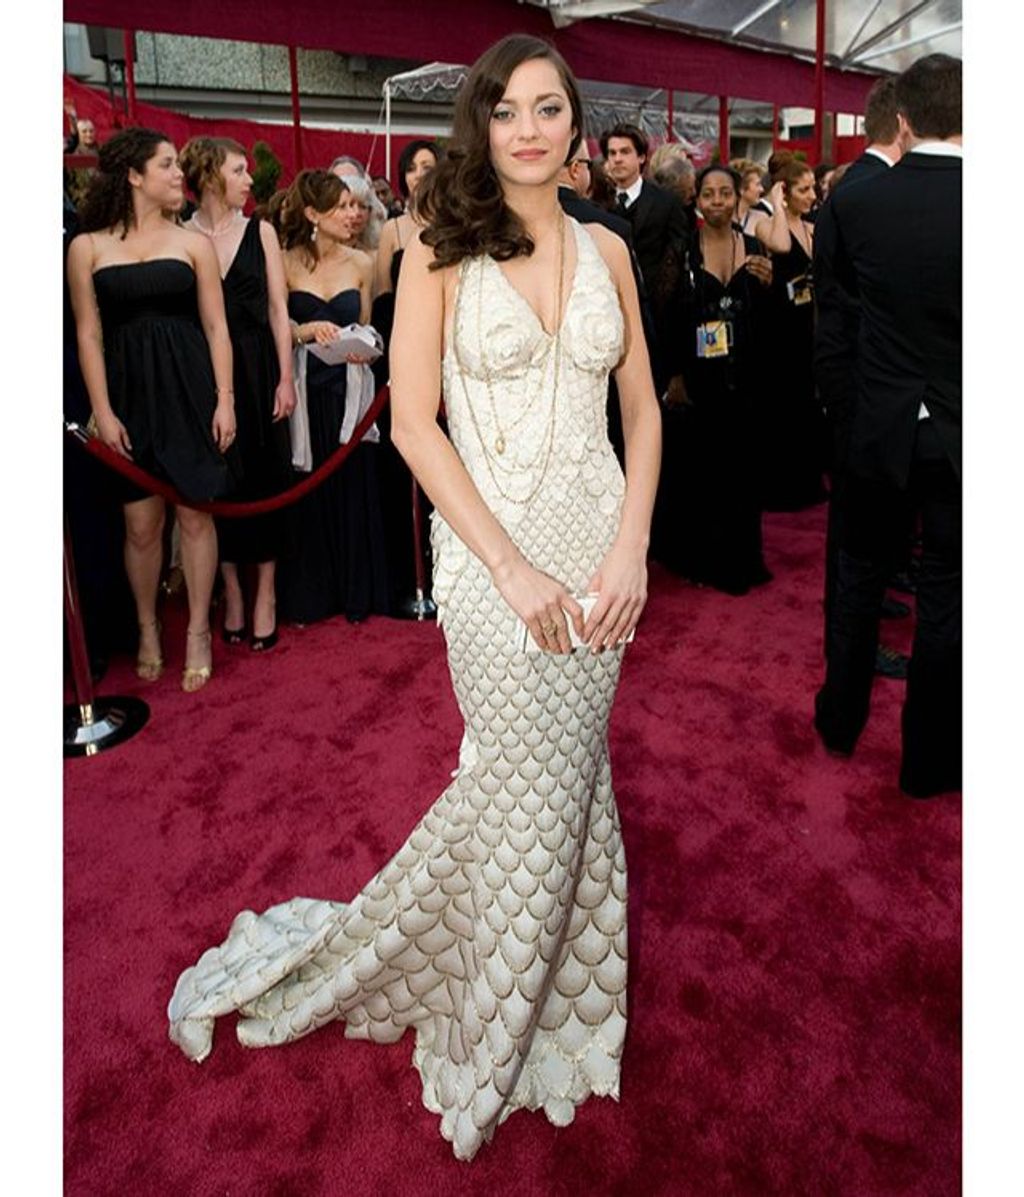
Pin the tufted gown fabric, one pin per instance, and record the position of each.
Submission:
(498, 930)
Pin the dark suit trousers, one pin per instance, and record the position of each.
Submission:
(872, 531)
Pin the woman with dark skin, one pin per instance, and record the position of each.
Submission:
(156, 358)
(709, 520)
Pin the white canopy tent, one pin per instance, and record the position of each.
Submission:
(882, 35)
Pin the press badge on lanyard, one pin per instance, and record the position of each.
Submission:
(713, 339)
(799, 290)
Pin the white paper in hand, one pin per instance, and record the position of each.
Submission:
(363, 340)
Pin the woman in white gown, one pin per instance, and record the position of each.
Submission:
(498, 931)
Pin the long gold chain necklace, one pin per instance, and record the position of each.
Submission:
(500, 442)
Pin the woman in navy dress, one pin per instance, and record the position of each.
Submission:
(256, 303)
(337, 561)
(156, 357)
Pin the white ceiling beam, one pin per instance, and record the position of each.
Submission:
(888, 31)
(756, 15)
(892, 47)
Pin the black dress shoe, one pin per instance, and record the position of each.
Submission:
(233, 635)
(889, 663)
(834, 745)
(894, 609)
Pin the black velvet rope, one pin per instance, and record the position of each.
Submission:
(226, 508)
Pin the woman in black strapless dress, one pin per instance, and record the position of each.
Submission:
(337, 560)
(256, 302)
(156, 358)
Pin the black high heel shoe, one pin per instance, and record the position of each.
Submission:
(233, 635)
(262, 644)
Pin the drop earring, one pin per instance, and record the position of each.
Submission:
(315, 227)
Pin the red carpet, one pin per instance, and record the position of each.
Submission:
(794, 922)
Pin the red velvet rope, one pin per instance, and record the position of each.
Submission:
(157, 486)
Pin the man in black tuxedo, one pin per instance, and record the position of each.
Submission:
(896, 251)
(835, 337)
(657, 217)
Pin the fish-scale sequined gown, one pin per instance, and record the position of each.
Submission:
(498, 931)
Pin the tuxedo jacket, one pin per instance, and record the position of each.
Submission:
(896, 249)
(837, 315)
(658, 220)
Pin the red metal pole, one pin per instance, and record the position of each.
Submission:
(671, 136)
(129, 73)
(293, 70)
(723, 129)
(417, 546)
(819, 83)
(80, 671)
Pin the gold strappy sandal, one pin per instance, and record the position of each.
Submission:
(195, 677)
(148, 669)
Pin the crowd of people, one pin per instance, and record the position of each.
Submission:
(199, 383)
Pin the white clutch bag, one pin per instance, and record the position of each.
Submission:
(361, 339)
(525, 642)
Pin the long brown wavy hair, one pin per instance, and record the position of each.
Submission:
(317, 189)
(461, 201)
(108, 202)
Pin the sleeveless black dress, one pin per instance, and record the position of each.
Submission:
(159, 374)
(264, 448)
(336, 562)
(791, 425)
(708, 514)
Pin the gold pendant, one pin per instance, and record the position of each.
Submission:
(499, 444)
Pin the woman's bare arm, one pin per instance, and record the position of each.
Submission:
(211, 314)
(773, 232)
(385, 254)
(280, 325)
(621, 579)
(89, 334)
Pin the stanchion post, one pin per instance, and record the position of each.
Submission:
(91, 724)
(80, 671)
(421, 607)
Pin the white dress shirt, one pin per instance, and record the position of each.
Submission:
(632, 193)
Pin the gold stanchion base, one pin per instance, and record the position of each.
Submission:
(94, 727)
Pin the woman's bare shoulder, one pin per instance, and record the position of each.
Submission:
(610, 246)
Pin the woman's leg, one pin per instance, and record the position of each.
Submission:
(143, 556)
(199, 563)
(264, 615)
(234, 601)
